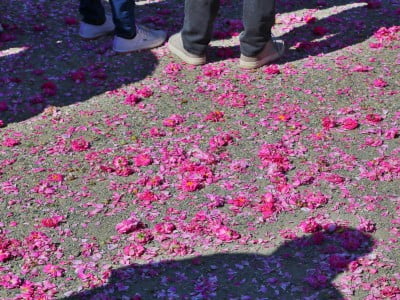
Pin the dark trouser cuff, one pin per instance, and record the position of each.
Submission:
(92, 11)
(253, 49)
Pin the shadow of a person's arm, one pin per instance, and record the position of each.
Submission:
(300, 268)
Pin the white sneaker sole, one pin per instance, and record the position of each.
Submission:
(143, 41)
(260, 63)
(136, 49)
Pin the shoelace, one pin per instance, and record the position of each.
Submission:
(143, 31)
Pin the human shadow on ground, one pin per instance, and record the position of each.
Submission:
(287, 6)
(347, 28)
(56, 68)
(301, 268)
(43, 62)
(335, 32)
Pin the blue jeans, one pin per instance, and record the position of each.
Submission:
(123, 15)
(258, 19)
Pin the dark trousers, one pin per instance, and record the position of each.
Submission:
(123, 15)
(258, 19)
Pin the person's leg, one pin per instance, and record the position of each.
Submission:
(256, 43)
(92, 12)
(124, 18)
(198, 23)
(258, 19)
(129, 36)
(94, 23)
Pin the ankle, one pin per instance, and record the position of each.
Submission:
(93, 22)
(126, 36)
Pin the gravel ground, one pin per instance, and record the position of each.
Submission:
(140, 177)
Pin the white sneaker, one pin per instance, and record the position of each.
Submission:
(145, 39)
(89, 31)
